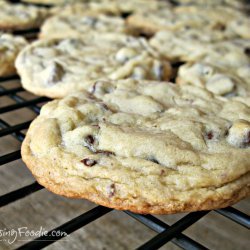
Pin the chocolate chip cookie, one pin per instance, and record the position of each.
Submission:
(61, 26)
(147, 147)
(57, 67)
(21, 17)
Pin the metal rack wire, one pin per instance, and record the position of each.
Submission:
(165, 232)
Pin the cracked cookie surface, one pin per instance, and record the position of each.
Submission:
(148, 147)
(57, 67)
(114, 7)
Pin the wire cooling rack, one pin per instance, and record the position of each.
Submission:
(165, 232)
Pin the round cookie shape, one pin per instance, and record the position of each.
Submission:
(240, 4)
(57, 67)
(147, 147)
(20, 16)
(10, 46)
(64, 26)
(53, 2)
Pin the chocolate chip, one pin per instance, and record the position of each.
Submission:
(111, 190)
(219, 26)
(88, 162)
(89, 139)
(247, 51)
(162, 172)
(247, 142)
(210, 135)
(107, 153)
(126, 14)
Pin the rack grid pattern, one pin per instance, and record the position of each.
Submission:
(165, 233)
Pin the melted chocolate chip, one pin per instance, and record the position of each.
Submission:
(247, 51)
(89, 139)
(162, 172)
(88, 162)
(111, 190)
(210, 135)
(247, 142)
(107, 153)
(220, 26)
(126, 14)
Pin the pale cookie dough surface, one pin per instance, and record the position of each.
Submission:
(61, 26)
(21, 17)
(57, 67)
(218, 80)
(186, 45)
(233, 54)
(53, 2)
(207, 19)
(117, 7)
(136, 6)
(10, 46)
(193, 46)
(151, 147)
(241, 4)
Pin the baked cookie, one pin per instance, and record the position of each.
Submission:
(186, 45)
(10, 46)
(57, 67)
(232, 53)
(114, 7)
(152, 147)
(137, 6)
(53, 2)
(21, 17)
(219, 80)
(210, 19)
(64, 26)
(240, 4)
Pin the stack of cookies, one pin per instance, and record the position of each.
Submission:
(152, 100)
